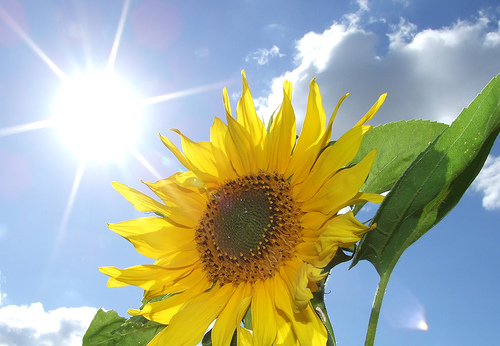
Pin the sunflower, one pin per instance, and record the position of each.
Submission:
(249, 227)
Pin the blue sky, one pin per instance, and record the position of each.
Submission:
(432, 57)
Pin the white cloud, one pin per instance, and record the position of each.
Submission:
(488, 182)
(31, 325)
(429, 74)
(262, 55)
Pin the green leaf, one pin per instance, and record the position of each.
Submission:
(434, 182)
(107, 329)
(397, 144)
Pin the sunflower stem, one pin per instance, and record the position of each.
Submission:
(318, 302)
(377, 304)
(326, 321)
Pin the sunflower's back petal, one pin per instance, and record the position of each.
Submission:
(190, 323)
(231, 316)
(263, 313)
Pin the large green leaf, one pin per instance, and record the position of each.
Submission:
(397, 144)
(109, 329)
(434, 182)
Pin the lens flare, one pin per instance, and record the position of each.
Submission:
(402, 309)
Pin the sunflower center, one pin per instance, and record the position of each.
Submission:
(250, 228)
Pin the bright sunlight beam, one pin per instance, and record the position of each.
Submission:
(98, 115)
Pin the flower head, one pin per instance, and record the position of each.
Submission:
(249, 225)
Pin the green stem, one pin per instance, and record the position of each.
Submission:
(377, 304)
(323, 314)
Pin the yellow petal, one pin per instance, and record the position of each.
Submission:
(190, 323)
(178, 259)
(155, 236)
(218, 133)
(140, 201)
(145, 276)
(242, 145)
(177, 153)
(341, 187)
(199, 154)
(284, 334)
(162, 311)
(328, 133)
(180, 284)
(247, 116)
(294, 274)
(341, 231)
(330, 161)
(227, 104)
(306, 325)
(308, 328)
(308, 145)
(282, 134)
(244, 336)
(372, 110)
(185, 203)
(232, 315)
(263, 313)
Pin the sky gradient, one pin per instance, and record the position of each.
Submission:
(431, 57)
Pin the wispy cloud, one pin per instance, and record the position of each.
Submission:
(262, 55)
(32, 325)
(488, 182)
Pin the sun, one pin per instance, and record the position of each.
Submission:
(98, 115)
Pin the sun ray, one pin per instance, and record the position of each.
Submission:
(7, 131)
(170, 96)
(119, 32)
(145, 163)
(72, 196)
(17, 29)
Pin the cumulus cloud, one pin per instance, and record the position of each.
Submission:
(488, 182)
(262, 55)
(32, 325)
(430, 74)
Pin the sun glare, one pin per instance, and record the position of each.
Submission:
(98, 115)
